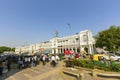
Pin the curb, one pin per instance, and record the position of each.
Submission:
(71, 74)
(77, 76)
(101, 74)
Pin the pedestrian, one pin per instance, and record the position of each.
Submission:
(76, 56)
(8, 64)
(20, 64)
(43, 59)
(57, 58)
(1, 67)
(53, 61)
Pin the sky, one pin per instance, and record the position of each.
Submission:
(24, 22)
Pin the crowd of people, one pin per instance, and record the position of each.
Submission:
(26, 61)
(72, 54)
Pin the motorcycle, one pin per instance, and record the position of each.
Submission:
(53, 63)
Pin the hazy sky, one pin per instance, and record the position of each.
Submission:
(24, 22)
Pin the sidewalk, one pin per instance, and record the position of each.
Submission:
(54, 74)
(57, 74)
(6, 73)
(46, 72)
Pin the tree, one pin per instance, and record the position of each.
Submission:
(110, 38)
(13, 49)
(4, 48)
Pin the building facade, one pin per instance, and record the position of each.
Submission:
(82, 41)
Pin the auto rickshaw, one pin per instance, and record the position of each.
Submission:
(98, 57)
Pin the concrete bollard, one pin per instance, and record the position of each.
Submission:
(94, 74)
(81, 76)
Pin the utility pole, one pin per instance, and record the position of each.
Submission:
(56, 34)
(69, 28)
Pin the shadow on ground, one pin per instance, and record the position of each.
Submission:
(8, 74)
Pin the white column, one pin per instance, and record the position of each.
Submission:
(80, 49)
(62, 50)
(68, 48)
(71, 48)
(76, 49)
(52, 51)
(56, 50)
(90, 51)
(59, 50)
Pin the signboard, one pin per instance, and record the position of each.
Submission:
(42, 49)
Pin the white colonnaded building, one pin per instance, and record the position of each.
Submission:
(82, 41)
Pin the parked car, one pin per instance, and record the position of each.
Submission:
(118, 53)
(114, 57)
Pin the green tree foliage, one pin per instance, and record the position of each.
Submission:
(4, 48)
(110, 38)
(13, 49)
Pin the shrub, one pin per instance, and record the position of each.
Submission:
(83, 63)
(69, 63)
(114, 67)
(86, 64)
(102, 65)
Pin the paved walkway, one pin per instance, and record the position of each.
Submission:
(39, 72)
(46, 72)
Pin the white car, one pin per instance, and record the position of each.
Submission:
(106, 57)
(115, 57)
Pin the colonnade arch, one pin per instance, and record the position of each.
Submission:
(61, 50)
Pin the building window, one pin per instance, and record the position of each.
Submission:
(84, 38)
(77, 39)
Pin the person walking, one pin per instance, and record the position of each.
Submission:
(9, 64)
(20, 64)
(76, 56)
(43, 59)
(53, 61)
(57, 58)
(1, 67)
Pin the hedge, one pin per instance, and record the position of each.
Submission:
(102, 65)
